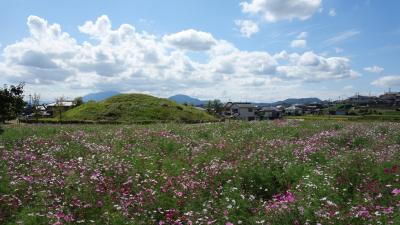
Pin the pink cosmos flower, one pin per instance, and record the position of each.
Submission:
(229, 223)
(60, 215)
(396, 191)
(226, 212)
(363, 213)
(28, 178)
(388, 210)
(290, 196)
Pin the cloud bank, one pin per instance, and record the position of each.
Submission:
(387, 81)
(124, 59)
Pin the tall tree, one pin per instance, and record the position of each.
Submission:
(214, 107)
(209, 107)
(78, 101)
(218, 107)
(11, 102)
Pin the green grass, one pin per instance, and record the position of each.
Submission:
(131, 108)
(384, 117)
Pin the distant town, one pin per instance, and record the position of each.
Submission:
(388, 102)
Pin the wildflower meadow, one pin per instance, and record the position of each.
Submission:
(270, 172)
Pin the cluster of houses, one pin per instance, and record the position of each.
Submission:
(388, 99)
(47, 110)
(248, 111)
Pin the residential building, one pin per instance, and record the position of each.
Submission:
(390, 98)
(362, 100)
(240, 110)
(65, 105)
(294, 110)
(269, 113)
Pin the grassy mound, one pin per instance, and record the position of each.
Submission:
(132, 108)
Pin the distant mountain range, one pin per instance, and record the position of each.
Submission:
(181, 99)
(100, 96)
(291, 101)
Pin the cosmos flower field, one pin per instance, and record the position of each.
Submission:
(280, 172)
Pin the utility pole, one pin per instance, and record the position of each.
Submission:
(329, 108)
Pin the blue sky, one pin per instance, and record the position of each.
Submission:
(256, 50)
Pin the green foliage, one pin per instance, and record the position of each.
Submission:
(11, 102)
(78, 101)
(262, 181)
(131, 108)
(214, 107)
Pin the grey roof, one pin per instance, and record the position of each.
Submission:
(240, 104)
(245, 105)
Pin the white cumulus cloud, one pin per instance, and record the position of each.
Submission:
(247, 27)
(313, 67)
(298, 44)
(374, 69)
(276, 10)
(387, 81)
(191, 40)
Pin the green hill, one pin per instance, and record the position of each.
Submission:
(132, 108)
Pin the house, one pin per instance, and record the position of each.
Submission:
(294, 110)
(269, 113)
(390, 98)
(42, 111)
(360, 99)
(64, 105)
(240, 110)
(313, 109)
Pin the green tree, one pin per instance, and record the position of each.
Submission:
(218, 107)
(210, 108)
(78, 101)
(214, 107)
(11, 102)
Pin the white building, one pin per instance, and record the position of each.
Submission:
(240, 110)
(294, 111)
